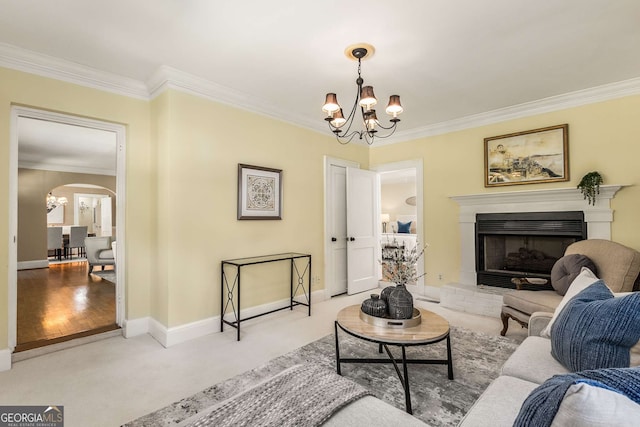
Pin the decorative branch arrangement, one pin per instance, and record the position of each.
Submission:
(589, 186)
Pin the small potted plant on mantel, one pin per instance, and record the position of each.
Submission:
(589, 186)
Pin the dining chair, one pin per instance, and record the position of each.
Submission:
(54, 241)
(77, 235)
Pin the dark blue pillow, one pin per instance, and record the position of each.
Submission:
(594, 330)
(404, 227)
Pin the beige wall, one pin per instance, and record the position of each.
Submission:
(603, 136)
(198, 151)
(182, 156)
(17, 88)
(33, 187)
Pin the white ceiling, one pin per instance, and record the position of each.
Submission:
(447, 59)
(61, 147)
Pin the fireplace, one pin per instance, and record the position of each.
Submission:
(598, 217)
(523, 244)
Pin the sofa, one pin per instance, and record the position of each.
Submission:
(533, 364)
(99, 252)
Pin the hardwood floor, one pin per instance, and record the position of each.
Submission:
(62, 302)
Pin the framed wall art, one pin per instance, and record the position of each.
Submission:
(534, 156)
(259, 192)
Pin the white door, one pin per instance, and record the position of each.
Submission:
(363, 192)
(337, 229)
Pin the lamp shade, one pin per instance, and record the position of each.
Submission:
(367, 98)
(338, 119)
(370, 119)
(331, 103)
(394, 108)
(385, 217)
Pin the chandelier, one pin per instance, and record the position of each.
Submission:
(365, 100)
(53, 202)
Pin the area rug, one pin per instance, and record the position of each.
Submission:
(436, 400)
(108, 275)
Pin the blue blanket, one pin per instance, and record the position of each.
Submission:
(541, 406)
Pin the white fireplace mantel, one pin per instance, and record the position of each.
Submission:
(598, 217)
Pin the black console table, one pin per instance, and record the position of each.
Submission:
(233, 288)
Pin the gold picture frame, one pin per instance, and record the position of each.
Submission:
(530, 157)
(259, 192)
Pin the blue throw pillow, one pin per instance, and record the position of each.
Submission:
(542, 405)
(594, 330)
(404, 227)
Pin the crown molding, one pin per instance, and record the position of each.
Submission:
(60, 69)
(171, 78)
(167, 77)
(554, 103)
(66, 168)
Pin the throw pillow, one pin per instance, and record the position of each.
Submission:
(595, 330)
(584, 279)
(404, 227)
(601, 397)
(566, 269)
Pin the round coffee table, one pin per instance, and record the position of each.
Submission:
(432, 329)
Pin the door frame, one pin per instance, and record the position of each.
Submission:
(328, 265)
(416, 164)
(120, 132)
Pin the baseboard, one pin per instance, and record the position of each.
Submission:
(29, 265)
(5, 359)
(178, 334)
(135, 327)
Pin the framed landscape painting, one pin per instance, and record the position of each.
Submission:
(259, 192)
(534, 156)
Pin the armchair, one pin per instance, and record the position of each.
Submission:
(99, 252)
(617, 265)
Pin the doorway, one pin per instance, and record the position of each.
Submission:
(115, 131)
(402, 202)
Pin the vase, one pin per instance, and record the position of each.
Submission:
(384, 295)
(374, 306)
(400, 303)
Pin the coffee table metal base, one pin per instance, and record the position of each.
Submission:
(404, 375)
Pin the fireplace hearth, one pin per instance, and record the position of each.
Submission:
(523, 244)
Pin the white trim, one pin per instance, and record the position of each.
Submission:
(66, 168)
(169, 337)
(5, 359)
(120, 131)
(553, 103)
(166, 77)
(136, 327)
(32, 62)
(30, 265)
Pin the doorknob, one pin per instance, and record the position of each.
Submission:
(352, 239)
(333, 239)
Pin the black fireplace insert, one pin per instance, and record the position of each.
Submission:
(524, 244)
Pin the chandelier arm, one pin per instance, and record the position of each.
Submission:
(393, 126)
(393, 130)
(345, 139)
